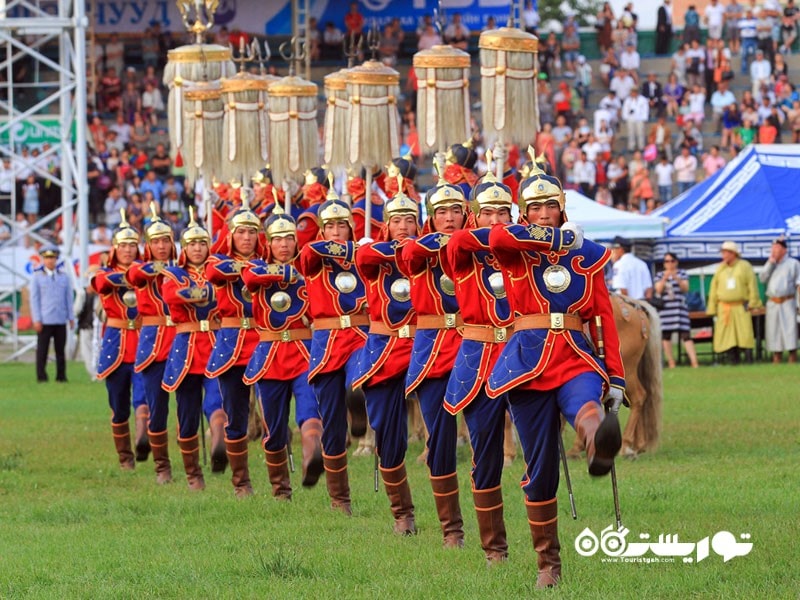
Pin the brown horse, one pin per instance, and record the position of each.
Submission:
(639, 330)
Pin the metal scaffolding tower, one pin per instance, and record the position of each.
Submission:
(43, 88)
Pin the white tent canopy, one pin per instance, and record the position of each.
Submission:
(602, 222)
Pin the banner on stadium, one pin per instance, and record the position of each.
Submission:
(33, 132)
(274, 17)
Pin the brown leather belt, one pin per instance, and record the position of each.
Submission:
(781, 299)
(445, 321)
(157, 322)
(287, 335)
(194, 326)
(486, 333)
(732, 303)
(554, 321)
(379, 328)
(342, 322)
(237, 323)
(123, 323)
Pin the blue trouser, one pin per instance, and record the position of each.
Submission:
(235, 401)
(329, 390)
(275, 396)
(192, 396)
(536, 416)
(749, 46)
(442, 426)
(665, 193)
(118, 385)
(212, 399)
(388, 416)
(139, 397)
(157, 397)
(486, 419)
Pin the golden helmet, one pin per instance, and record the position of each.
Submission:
(462, 154)
(244, 216)
(490, 193)
(444, 195)
(402, 165)
(400, 204)
(194, 232)
(539, 187)
(279, 224)
(334, 209)
(262, 176)
(124, 234)
(157, 228)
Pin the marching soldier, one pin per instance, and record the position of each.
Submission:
(435, 347)
(460, 169)
(118, 347)
(312, 195)
(156, 335)
(193, 308)
(384, 359)
(548, 366)
(480, 292)
(337, 302)
(279, 365)
(237, 337)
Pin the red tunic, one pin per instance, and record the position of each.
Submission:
(147, 282)
(111, 285)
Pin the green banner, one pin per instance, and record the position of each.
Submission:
(33, 132)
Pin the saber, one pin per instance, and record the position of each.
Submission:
(291, 455)
(566, 476)
(203, 437)
(377, 461)
(601, 354)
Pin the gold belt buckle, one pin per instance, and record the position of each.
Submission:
(286, 335)
(131, 323)
(245, 323)
(344, 321)
(404, 332)
(556, 320)
(170, 322)
(499, 334)
(205, 326)
(449, 320)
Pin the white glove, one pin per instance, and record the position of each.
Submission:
(365, 240)
(614, 399)
(577, 230)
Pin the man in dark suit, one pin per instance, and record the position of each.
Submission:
(664, 28)
(653, 92)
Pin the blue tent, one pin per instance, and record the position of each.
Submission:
(752, 200)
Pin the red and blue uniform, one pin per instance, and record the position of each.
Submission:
(155, 338)
(195, 325)
(436, 344)
(313, 195)
(550, 367)
(118, 346)
(487, 316)
(235, 341)
(383, 361)
(357, 188)
(337, 302)
(279, 364)
(462, 177)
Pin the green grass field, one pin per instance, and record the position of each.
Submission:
(72, 525)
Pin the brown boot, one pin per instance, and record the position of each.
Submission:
(311, 436)
(219, 459)
(492, 528)
(122, 442)
(357, 407)
(601, 445)
(338, 482)
(142, 441)
(543, 520)
(278, 471)
(445, 493)
(190, 451)
(159, 444)
(395, 480)
(237, 457)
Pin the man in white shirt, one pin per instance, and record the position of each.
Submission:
(664, 172)
(760, 71)
(635, 112)
(714, 17)
(631, 276)
(457, 34)
(685, 169)
(585, 175)
(622, 84)
(630, 61)
(721, 99)
(611, 105)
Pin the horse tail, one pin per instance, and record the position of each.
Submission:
(650, 376)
